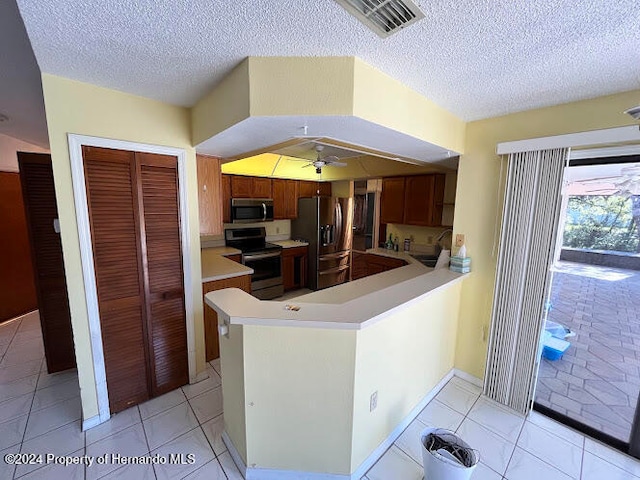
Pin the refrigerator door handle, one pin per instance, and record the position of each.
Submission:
(338, 221)
(333, 270)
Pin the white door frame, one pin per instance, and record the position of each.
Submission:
(76, 142)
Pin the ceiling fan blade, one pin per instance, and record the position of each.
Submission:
(330, 159)
(337, 164)
(308, 165)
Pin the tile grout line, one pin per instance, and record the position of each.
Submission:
(146, 438)
(215, 455)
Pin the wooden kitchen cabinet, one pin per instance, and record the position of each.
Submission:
(285, 199)
(413, 200)
(210, 195)
(392, 200)
(294, 267)
(212, 346)
(380, 263)
(358, 265)
(250, 187)
(261, 187)
(308, 189)
(236, 257)
(324, 189)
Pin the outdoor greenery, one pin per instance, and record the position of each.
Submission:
(601, 222)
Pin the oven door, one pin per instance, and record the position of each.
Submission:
(266, 280)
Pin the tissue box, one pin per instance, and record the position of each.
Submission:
(460, 262)
(453, 268)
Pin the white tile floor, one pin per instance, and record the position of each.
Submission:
(41, 413)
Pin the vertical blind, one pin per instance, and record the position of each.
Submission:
(529, 226)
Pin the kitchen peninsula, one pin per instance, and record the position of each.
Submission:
(322, 382)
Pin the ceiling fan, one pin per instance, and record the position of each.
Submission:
(321, 161)
(625, 184)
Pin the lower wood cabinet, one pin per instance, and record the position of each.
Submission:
(365, 264)
(294, 267)
(358, 265)
(212, 347)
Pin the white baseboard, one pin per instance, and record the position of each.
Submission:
(91, 422)
(200, 377)
(272, 474)
(468, 377)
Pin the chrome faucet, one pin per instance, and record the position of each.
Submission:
(441, 236)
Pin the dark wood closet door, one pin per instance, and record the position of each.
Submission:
(164, 284)
(17, 286)
(113, 205)
(36, 177)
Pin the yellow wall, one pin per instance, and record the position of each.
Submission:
(223, 107)
(382, 99)
(299, 397)
(234, 400)
(479, 198)
(8, 148)
(74, 107)
(403, 358)
(276, 166)
(301, 85)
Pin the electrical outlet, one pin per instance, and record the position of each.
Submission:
(373, 401)
(277, 229)
(459, 239)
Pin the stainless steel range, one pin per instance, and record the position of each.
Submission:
(263, 257)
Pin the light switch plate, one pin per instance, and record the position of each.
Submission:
(459, 239)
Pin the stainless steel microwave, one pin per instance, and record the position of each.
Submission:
(251, 210)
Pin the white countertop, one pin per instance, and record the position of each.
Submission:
(291, 243)
(352, 305)
(216, 267)
(224, 251)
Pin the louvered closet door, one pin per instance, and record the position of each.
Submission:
(113, 213)
(158, 189)
(38, 191)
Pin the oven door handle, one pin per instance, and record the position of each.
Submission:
(260, 256)
(264, 212)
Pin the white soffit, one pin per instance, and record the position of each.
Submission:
(21, 97)
(258, 133)
(476, 58)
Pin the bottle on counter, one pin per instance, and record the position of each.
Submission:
(396, 246)
(389, 244)
(407, 244)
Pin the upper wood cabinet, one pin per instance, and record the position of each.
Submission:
(324, 189)
(285, 199)
(250, 187)
(210, 195)
(414, 200)
(261, 187)
(392, 200)
(307, 189)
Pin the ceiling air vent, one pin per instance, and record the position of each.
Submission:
(384, 17)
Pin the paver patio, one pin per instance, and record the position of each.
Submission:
(597, 381)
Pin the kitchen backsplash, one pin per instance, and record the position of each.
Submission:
(421, 235)
(276, 230)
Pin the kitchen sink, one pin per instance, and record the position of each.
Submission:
(426, 260)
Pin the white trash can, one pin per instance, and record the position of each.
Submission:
(440, 464)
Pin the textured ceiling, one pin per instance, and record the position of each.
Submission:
(475, 58)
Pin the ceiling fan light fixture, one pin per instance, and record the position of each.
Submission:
(634, 112)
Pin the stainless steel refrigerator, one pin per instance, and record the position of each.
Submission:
(326, 223)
